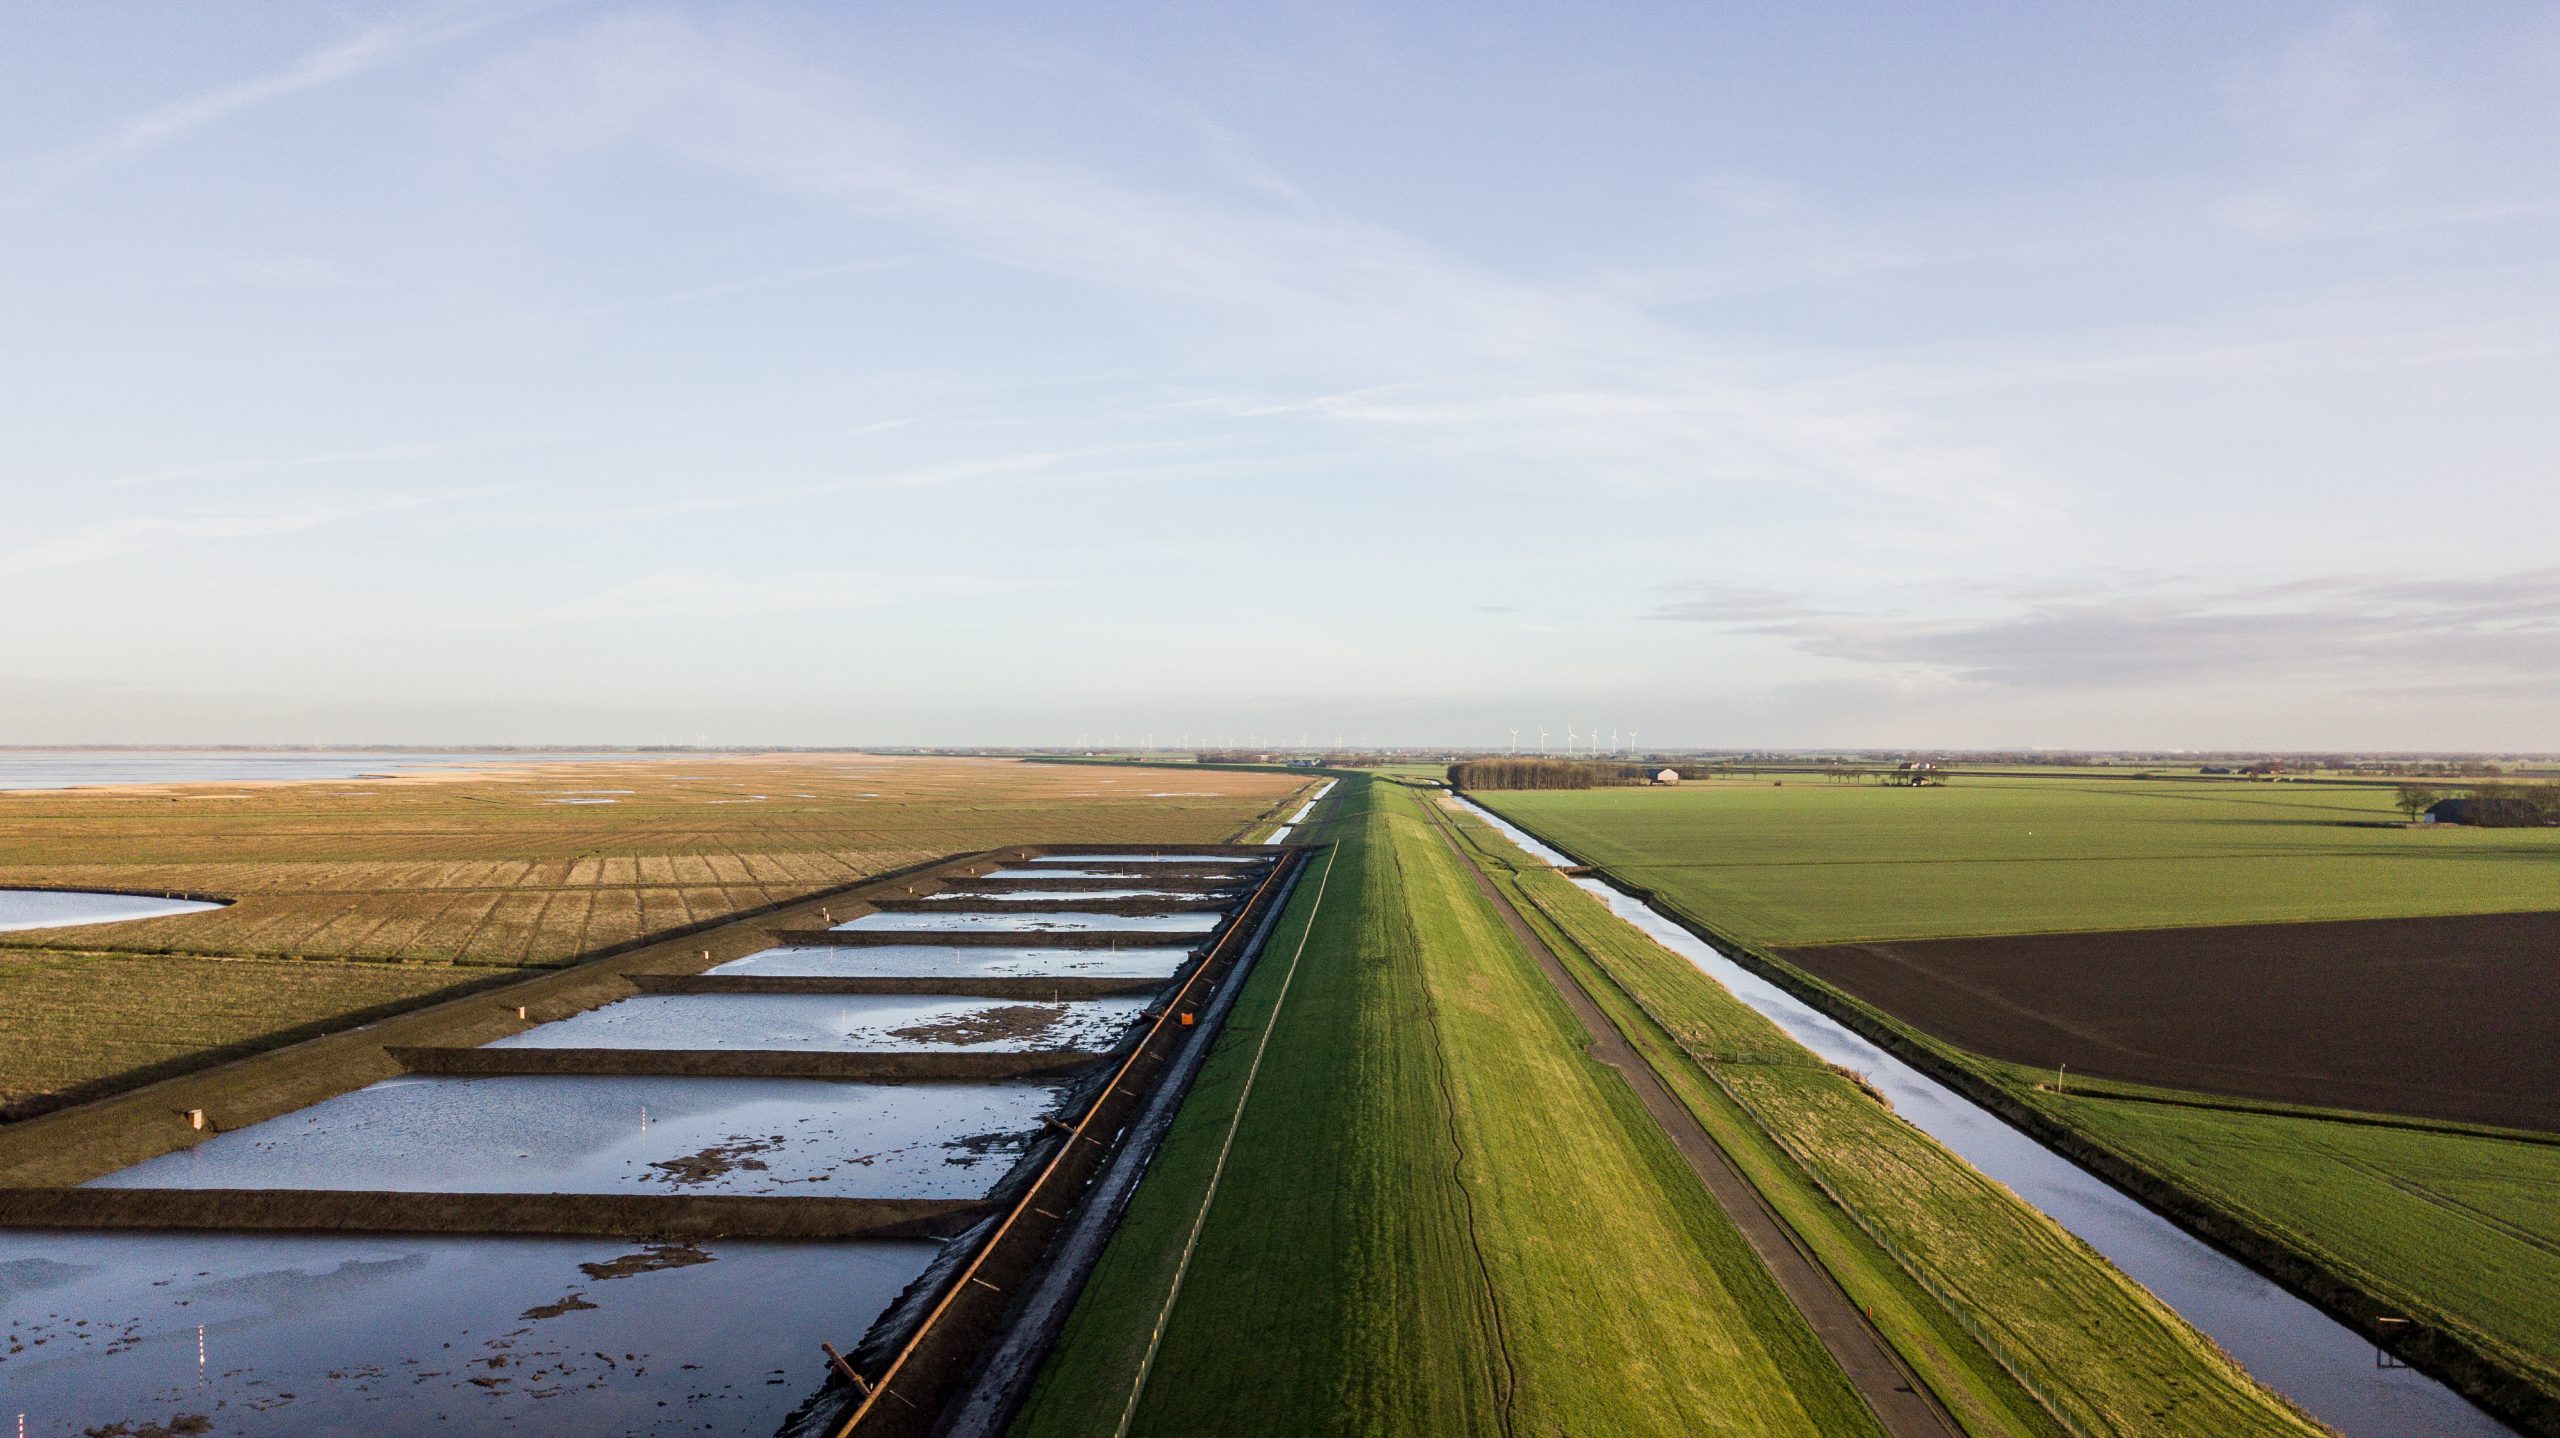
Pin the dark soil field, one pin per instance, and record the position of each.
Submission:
(2444, 1018)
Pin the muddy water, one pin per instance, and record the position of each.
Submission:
(942, 961)
(622, 1135)
(847, 1023)
(56, 908)
(2291, 1346)
(289, 1335)
(1058, 922)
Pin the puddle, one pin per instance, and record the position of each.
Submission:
(1199, 922)
(57, 908)
(941, 961)
(265, 1334)
(620, 1135)
(849, 1023)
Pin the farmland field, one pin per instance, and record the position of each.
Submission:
(1439, 1215)
(2439, 1017)
(2454, 1229)
(438, 880)
(1807, 862)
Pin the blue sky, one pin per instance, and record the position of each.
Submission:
(1741, 375)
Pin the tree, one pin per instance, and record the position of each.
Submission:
(2415, 799)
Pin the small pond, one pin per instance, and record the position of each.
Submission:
(61, 908)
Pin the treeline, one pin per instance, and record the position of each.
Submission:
(2513, 806)
(1543, 774)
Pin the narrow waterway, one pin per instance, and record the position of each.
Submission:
(2291, 1346)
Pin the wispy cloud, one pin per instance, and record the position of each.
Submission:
(684, 594)
(127, 536)
(1582, 378)
(2353, 632)
(244, 468)
(374, 47)
(724, 289)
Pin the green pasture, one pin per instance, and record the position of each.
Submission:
(1808, 861)
(1439, 1216)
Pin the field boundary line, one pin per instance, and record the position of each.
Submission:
(1235, 1121)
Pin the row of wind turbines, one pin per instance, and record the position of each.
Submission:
(1578, 745)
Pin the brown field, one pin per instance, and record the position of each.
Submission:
(489, 868)
(410, 887)
(2443, 1018)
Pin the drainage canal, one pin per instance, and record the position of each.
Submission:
(645, 1217)
(2291, 1346)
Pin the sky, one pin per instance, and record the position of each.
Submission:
(1745, 375)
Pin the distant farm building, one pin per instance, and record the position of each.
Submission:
(1667, 776)
(2447, 811)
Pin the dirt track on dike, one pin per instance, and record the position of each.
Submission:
(2440, 1018)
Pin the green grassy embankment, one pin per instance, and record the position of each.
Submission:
(2028, 1331)
(1439, 1215)
(1813, 863)
(2457, 1229)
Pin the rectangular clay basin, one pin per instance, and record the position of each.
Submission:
(941, 961)
(1062, 872)
(280, 1335)
(843, 1023)
(1146, 859)
(1067, 896)
(627, 1135)
(1199, 922)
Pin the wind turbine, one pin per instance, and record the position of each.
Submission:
(1631, 740)
(1542, 738)
(1515, 741)
(1570, 736)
